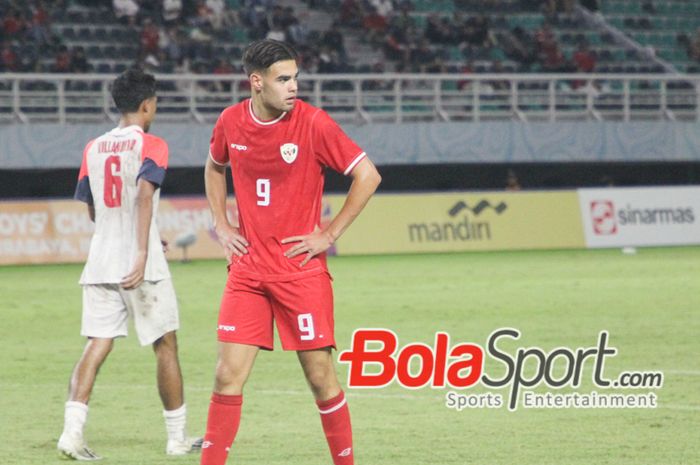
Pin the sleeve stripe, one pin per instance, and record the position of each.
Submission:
(151, 172)
(354, 163)
(216, 162)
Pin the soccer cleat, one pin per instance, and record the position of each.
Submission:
(188, 446)
(74, 448)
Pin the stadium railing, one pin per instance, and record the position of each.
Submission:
(367, 98)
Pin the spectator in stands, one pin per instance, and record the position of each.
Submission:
(218, 16)
(13, 23)
(482, 33)
(422, 56)
(38, 33)
(551, 58)
(329, 61)
(39, 12)
(467, 69)
(584, 59)
(8, 58)
(276, 18)
(375, 25)
(62, 62)
(201, 15)
(512, 181)
(474, 37)
(499, 85)
(437, 30)
(351, 13)
(394, 49)
(334, 39)
(298, 31)
(172, 9)
(383, 8)
(223, 66)
(437, 66)
(287, 17)
(172, 44)
(403, 20)
(199, 36)
(276, 33)
(78, 61)
(150, 35)
(126, 11)
(694, 48)
(378, 84)
(518, 46)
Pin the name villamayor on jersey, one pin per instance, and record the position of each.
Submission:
(376, 361)
(116, 146)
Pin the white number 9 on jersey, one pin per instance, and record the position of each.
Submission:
(262, 186)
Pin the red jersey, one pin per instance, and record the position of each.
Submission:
(277, 168)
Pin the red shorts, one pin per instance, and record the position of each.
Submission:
(302, 310)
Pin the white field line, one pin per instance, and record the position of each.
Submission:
(367, 394)
(681, 372)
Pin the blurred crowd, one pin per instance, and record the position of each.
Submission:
(26, 37)
(389, 25)
(691, 44)
(196, 35)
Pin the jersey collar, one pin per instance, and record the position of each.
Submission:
(126, 129)
(258, 121)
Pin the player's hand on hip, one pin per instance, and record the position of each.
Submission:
(137, 273)
(311, 244)
(231, 240)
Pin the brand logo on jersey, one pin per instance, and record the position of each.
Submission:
(242, 148)
(289, 152)
(227, 328)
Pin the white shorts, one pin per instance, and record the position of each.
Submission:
(153, 306)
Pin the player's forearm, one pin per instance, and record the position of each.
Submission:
(144, 215)
(364, 184)
(216, 190)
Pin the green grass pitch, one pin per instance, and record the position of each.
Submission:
(650, 303)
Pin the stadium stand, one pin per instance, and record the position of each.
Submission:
(368, 61)
(354, 35)
(463, 55)
(668, 27)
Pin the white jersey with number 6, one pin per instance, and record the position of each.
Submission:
(112, 165)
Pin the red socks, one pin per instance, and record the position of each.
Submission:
(225, 416)
(335, 418)
(222, 426)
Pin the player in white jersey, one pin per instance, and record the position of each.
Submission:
(126, 272)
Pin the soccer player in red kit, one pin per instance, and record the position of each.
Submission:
(278, 147)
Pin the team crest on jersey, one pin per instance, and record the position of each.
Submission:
(289, 152)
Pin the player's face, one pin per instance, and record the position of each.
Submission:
(279, 85)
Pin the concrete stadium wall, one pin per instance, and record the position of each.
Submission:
(53, 146)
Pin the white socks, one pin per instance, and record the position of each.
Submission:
(75, 417)
(175, 421)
